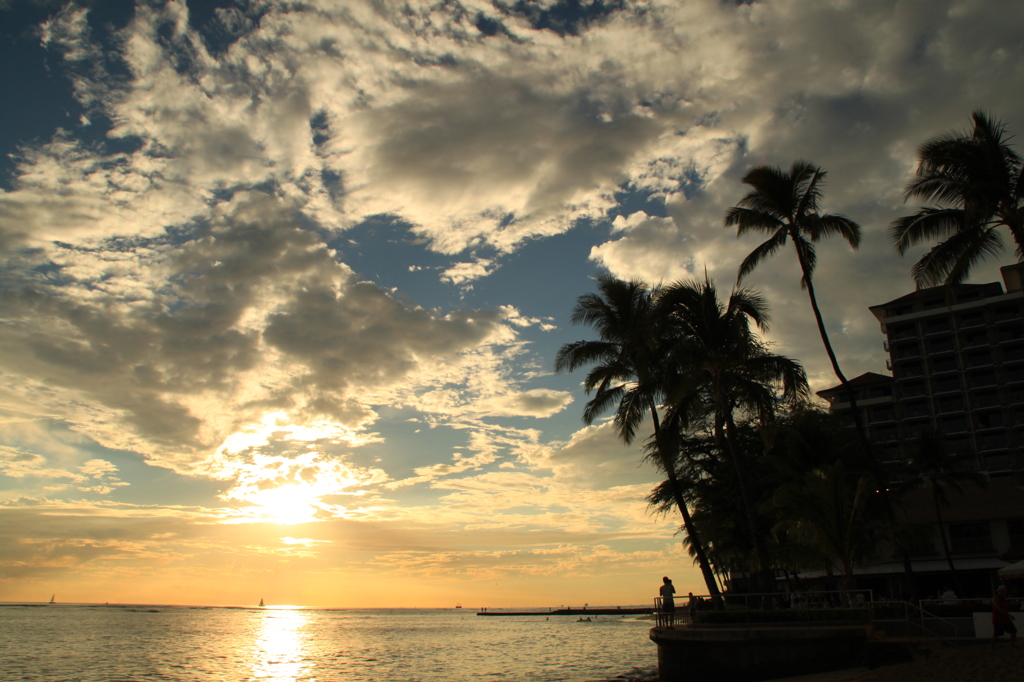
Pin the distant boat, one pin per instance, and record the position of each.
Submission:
(458, 606)
(261, 601)
(51, 599)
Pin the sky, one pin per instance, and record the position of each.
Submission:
(283, 283)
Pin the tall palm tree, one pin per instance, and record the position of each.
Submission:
(628, 367)
(976, 180)
(784, 205)
(720, 366)
(929, 465)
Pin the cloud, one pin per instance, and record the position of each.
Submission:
(174, 289)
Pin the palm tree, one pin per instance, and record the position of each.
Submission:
(785, 207)
(834, 514)
(930, 466)
(629, 365)
(719, 366)
(713, 494)
(975, 179)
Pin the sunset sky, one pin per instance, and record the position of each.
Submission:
(283, 283)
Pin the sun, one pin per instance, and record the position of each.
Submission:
(286, 505)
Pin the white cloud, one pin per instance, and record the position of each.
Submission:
(182, 298)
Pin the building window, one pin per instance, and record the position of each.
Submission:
(903, 331)
(970, 538)
(992, 441)
(884, 433)
(959, 446)
(941, 345)
(954, 424)
(944, 365)
(977, 339)
(883, 414)
(972, 319)
(1011, 333)
(938, 326)
(989, 420)
(985, 399)
(1015, 527)
(917, 409)
(983, 378)
(946, 384)
(913, 388)
(953, 403)
(909, 369)
(1013, 354)
(1006, 313)
(907, 351)
(998, 463)
(979, 359)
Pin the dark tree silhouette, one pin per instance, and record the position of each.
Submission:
(629, 369)
(975, 180)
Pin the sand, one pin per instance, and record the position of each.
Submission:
(966, 663)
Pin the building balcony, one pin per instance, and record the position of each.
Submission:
(971, 546)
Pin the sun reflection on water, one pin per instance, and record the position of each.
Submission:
(280, 648)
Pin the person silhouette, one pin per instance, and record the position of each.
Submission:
(668, 600)
(1002, 619)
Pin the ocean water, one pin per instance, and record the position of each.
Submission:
(98, 643)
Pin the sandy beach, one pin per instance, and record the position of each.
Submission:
(966, 663)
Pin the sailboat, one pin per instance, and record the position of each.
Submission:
(261, 601)
(51, 599)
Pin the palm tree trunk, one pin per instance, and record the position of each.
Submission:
(857, 420)
(876, 468)
(677, 495)
(945, 541)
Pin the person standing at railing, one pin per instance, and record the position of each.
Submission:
(668, 600)
(1002, 619)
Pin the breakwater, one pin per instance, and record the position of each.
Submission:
(607, 611)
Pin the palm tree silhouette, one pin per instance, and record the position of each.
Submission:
(784, 205)
(720, 366)
(628, 371)
(975, 179)
(929, 465)
(833, 513)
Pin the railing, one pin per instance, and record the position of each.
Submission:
(763, 608)
(831, 607)
(918, 618)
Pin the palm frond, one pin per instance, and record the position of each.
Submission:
(927, 224)
(763, 251)
(950, 261)
(828, 225)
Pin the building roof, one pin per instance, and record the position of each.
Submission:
(863, 381)
(989, 289)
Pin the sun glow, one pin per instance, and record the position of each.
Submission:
(287, 505)
(290, 489)
(280, 647)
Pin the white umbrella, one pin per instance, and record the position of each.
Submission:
(1012, 571)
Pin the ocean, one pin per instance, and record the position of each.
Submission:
(100, 643)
